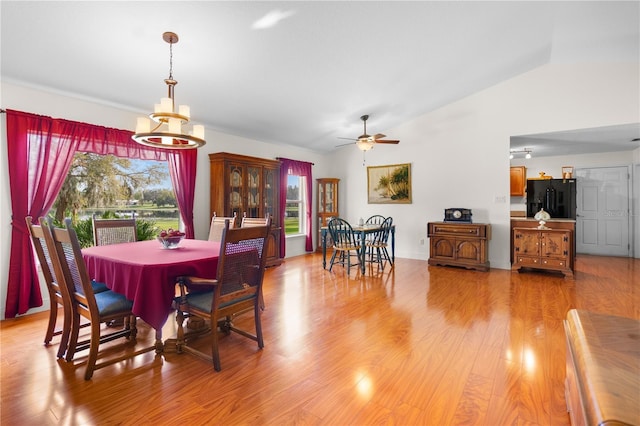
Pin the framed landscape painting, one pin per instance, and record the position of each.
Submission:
(389, 184)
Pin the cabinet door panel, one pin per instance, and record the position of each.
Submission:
(236, 194)
(527, 243)
(553, 244)
(269, 180)
(254, 184)
(468, 250)
(442, 247)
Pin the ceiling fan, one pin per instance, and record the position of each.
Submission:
(365, 141)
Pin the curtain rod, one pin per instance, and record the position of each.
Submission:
(282, 158)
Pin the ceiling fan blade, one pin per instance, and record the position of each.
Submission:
(349, 139)
(379, 136)
(391, 141)
(345, 144)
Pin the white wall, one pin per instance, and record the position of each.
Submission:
(459, 153)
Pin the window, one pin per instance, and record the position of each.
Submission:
(296, 207)
(110, 187)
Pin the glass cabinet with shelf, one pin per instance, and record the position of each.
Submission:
(327, 190)
(247, 186)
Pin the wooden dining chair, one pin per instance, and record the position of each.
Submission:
(376, 219)
(114, 231)
(376, 246)
(254, 221)
(217, 226)
(96, 307)
(58, 294)
(346, 244)
(236, 289)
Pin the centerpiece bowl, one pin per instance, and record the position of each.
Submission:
(170, 242)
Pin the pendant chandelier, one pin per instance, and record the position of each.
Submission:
(168, 133)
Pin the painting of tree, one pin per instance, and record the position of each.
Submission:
(389, 184)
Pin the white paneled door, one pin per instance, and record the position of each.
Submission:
(603, 202)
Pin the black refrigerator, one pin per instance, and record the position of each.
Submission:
(555, 196)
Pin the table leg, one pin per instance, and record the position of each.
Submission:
(363, 249)
(159, 344)
(323, 233)
(393, 245)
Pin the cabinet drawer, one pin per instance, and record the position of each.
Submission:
(526, 260)
(555, 262)
(467, 229)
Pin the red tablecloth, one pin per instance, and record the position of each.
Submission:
(146, 274)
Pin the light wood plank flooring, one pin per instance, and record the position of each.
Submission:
(421, 345)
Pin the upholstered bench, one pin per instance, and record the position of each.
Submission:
(603, 369)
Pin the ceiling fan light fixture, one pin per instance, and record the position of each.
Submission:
(169, 133)
(364, 144)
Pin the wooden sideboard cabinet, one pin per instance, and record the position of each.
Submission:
(250, 186)
(518, 179)
(459, 244)
(543, 249)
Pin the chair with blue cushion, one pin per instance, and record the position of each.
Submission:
(96, 307)
(58, 294)
(237, 288)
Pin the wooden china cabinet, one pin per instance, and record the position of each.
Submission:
(327, 190)
(247, 186)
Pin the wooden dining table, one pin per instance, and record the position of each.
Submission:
(363, 231)
(145, 273)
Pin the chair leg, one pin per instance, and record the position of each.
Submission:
(215, 354)
(66, 332)
(333, 257)
(258, 328)
(53, 316)
(93, 349)
(73, 339)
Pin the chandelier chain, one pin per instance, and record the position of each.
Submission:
(171, 60)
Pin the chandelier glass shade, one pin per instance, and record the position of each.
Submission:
(168, 132)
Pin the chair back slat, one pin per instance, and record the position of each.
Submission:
(242, 261)
(381, 236)
(376, 219)
(114, 231)
(342, 234)
(218, 224)
(42, 252)
(254, 221)
(69, 254)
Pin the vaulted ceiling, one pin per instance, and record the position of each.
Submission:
(302, 73)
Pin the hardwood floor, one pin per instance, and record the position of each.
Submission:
(422, 345)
